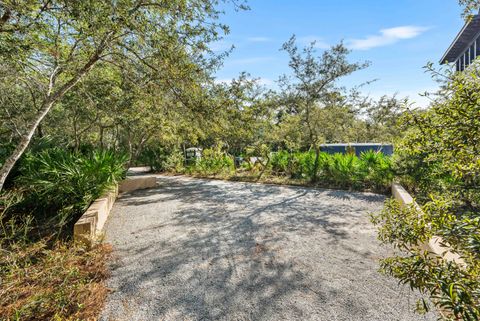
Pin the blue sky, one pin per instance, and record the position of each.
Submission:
(397, 37)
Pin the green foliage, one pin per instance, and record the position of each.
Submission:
(161, 159)
(58, 185)
(405, 230)
(280, 162)
(470, 7)
(371, 170)
(342, 170)
(452, 287)
(377, 169)
(438, 161)
(153, 62)
(312, 105)
(302, 165)
(13, 229)
(441, 148)
(213, 162)
(174, 162)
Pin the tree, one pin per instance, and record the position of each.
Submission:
(242, 113)
(312, 87)
(438, 160)
(470, 7)
(54, 44)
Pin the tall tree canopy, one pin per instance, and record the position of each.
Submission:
(48, 46)
(313, 88)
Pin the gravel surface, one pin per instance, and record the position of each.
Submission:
(195, 249)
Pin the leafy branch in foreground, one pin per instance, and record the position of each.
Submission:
(438, 161)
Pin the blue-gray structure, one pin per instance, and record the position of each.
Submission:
(466, 46)
(357, 148)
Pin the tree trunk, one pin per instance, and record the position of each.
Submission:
(46, 106)
(316, 165)
(264, 167)
(40, 131)
(24, 141)
(101, 137)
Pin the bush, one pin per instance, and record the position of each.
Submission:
(439, 161)
(371, 171)
(43, 278)
(377, 170)
(297, 165)
(302, 165)
(280, 162)
(174, 162)
(213, 162)
(452, 287)
(161, 160)
(58, 185)
(344, 171)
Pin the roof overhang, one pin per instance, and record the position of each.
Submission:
(463, 40)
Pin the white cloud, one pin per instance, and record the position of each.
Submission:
(319, 42)
(259, 39)
(387, 37)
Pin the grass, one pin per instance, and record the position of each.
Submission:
(60, 281)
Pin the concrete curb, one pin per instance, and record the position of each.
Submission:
(88, 228)
(434, 244)
(133, 184)
(90, 224)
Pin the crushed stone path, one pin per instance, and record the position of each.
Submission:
(195, 249)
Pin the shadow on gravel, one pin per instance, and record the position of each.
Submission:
(228, 251)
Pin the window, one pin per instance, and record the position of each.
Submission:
(458, 65)
(462, 62)
(472, 52)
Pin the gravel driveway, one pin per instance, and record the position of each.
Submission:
(195, 249)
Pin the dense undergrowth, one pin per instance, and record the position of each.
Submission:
(370, 171)
(44, 274)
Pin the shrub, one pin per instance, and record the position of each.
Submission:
(174, 162)
(43, 278)
(213, 162)
(377, 170)
(439, 161)
(372, 170)
(161, 160)
(342, 170)
(302, 165)
(59, 185)
(454, 288)
(280, 162)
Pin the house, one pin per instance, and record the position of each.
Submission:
(466, 46)
(357, 148)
